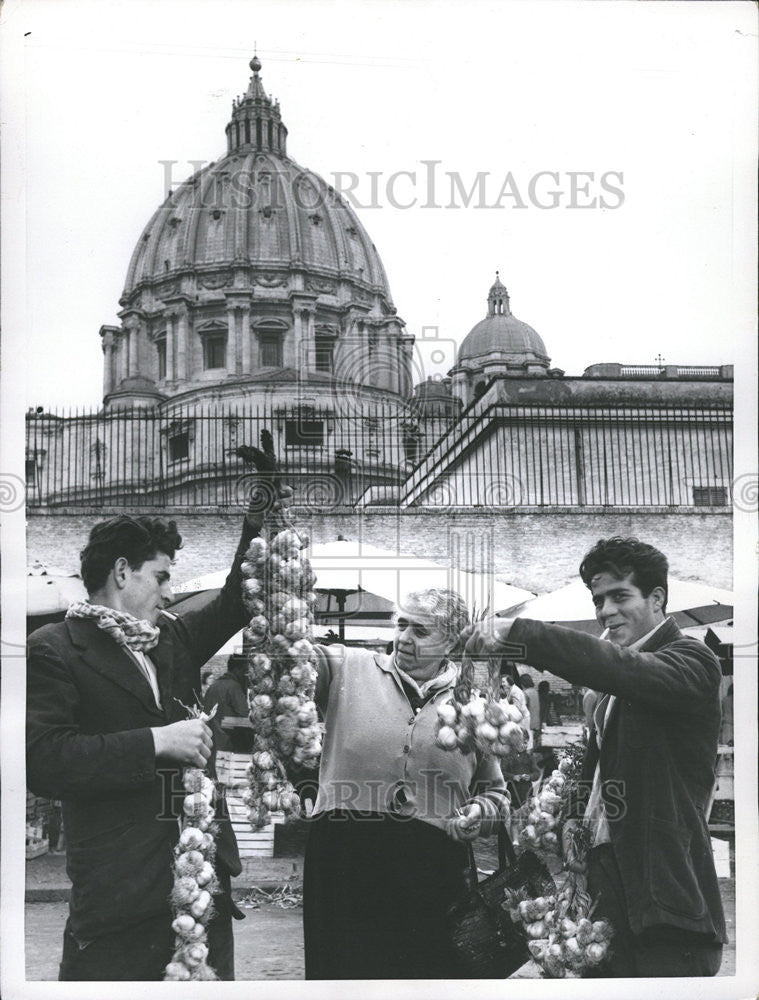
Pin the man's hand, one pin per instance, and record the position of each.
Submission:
(187, 742)
(488, 637)
(466, 824)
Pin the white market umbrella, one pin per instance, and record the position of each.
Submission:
(358, 567)
(701, 602)
(50, 595)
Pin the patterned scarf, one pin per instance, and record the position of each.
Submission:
(124, 628)
(446, 676)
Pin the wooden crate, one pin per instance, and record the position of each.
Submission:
(35, 848)
(230, 772)
(725, 772)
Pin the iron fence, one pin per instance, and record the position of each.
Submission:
(505, 455)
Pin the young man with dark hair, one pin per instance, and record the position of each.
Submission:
(107, 734)
(649, 767)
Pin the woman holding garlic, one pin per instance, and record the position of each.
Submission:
(388, 844)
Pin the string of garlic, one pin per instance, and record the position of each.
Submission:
(562, 938)
(194, 877)
(470, 720)
(277, 590)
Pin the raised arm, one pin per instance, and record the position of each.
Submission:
(205, 629)
(681, 677)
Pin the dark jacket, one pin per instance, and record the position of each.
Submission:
(657, 761)
(230, 699)
(89, 715)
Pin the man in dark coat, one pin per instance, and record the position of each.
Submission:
(649, 768)
(107, 734)
(227, 696)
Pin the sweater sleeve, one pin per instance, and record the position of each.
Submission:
(489, 792)
(61, 761)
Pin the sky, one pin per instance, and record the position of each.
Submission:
(648, 109)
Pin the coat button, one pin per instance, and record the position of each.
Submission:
(411, 721)
(406, 748)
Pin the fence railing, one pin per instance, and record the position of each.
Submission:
(384, 453)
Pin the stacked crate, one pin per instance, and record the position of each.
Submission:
(230, 773)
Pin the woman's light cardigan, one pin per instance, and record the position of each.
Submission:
(380, 756)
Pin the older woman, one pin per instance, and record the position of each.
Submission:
(387, 847)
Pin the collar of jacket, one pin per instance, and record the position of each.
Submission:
(104, 655)
(666, 633)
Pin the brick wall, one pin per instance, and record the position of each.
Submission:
(538, 551)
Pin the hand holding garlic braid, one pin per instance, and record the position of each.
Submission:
(277, 592)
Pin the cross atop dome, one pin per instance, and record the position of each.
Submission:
(256, 120)
(498, 298)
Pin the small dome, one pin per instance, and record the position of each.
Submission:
(432, 388)
(502, 337)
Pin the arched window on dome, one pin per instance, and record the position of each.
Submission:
(259, 138)
(269, 131)
(479, 389)
(247, 129)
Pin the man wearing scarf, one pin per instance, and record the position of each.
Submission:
(108, 734)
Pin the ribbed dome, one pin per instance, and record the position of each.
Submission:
(501, 336)
(252, 273)
(259, 208)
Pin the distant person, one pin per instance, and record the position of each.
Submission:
(544, 694)
(228, 695)
(726, 730)
(511, 691)
(533, 706)
(206, 680)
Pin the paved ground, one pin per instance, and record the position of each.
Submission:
(268, 943)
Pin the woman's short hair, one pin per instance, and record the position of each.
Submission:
(136, 539)
(447, 608)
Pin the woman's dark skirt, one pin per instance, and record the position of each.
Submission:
(375, 894)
